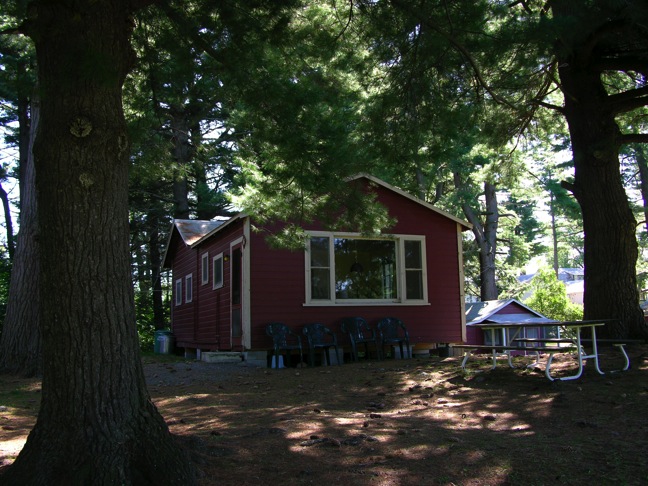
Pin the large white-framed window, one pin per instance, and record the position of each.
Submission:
(204, 268)
(347, 268)
(178, 292)
(217, 267)
(188, 288)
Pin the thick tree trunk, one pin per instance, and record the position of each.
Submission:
(609, 225)
(486, 237)
(642, 163)
(182, 156)
(554, 233)
(6, 207)
(96, 423)
(488, 245)
(20, 342)
(155, 262)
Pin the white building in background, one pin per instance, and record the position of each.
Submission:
(573, 278)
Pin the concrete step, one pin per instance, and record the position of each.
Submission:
(220, 357)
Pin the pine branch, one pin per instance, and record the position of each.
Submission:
(188, 29)
(550, 106)
(634, 138)
(405, 6)
(628, 100)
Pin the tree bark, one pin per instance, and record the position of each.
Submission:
(20, 342)
(155, 262)
(488, 245)
(554, 233)
(642, 163)
(6, 207)
(609, 225)
(486, 237)
(182, 155)
(96, 424)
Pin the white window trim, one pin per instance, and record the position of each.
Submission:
(218, 258)
(400, 256)
(189, 288)
(204, 268)
(178, 292)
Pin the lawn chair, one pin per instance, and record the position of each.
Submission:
(284, 338)
(392, 331)
(360, 333)
(320, 337)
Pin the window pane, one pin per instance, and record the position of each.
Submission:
(178, 292)
(320, 284)
(413, 270)
(205, 268)
(237, 275)
(365, 269)
(319, 251)
(414, 284)
(189, 288)
(413, 254)
(218, 272)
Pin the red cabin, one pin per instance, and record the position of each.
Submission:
(228, 284)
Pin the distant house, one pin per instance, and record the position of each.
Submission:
(503, 311)
(573, 278)
(228, 284)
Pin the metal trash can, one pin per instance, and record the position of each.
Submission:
(163, 342)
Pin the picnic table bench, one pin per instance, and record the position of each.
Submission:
(501, 350)
(620, 344)
(548, 345)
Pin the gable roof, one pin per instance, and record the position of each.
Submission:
(194, 231)
(191, 231)
(465, 224)
(478, 312)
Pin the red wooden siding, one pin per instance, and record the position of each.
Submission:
(182, 316)
(278, 282)
(205, 322)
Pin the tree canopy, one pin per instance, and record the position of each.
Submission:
(278, 102)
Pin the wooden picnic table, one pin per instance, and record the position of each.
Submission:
(549, 346)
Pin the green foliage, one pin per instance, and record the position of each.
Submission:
(144, 317)
(297, 120)
(550, 298)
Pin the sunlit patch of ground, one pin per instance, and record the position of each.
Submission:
(395, 423)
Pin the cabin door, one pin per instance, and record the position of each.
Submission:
(236, 323)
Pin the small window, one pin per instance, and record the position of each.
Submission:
(217, 266)
(188, 288)
(178, 292)
(413, 270)
(205, 268)
(320, 266)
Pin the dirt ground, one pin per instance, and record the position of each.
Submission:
(393, 422)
